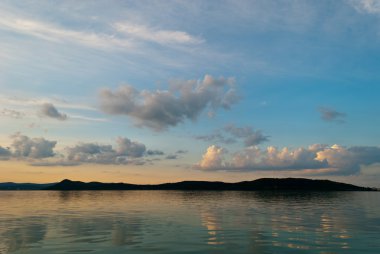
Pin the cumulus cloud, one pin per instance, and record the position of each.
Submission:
(160, 109)
(125, 152)
(91, 153)
(331, 115)
(49, 110)
(40, 152)
(231, 134)
(350, 159)
(335, 160)
(37, 148)
(130, 148)
(213, 158)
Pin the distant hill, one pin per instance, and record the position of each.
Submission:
(24, 186)
(263, 184)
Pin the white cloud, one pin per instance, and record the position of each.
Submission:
(213, 158)
(316, 159)
(51, 32)
(163, 108)
(118, 36)
(164, 37)
(369, 6)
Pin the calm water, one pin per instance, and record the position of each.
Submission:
(189, 222)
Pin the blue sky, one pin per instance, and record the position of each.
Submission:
(153, 91)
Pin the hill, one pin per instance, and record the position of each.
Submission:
(263, 184)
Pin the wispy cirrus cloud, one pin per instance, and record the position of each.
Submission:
(118, 36)
(163, 37)
(27, 102)
(54, 33)
(24, 107)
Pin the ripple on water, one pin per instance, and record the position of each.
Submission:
(188, 222)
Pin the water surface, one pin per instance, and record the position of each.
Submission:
(189, 222)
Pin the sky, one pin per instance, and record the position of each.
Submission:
(165, 91)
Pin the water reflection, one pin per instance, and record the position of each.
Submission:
(127, 232)
(214, 228)
(23, 236)
(197, 222)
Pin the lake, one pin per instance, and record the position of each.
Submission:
(189, 222)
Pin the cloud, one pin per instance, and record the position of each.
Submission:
(154, 152)
(12, 113)
(368, 6)
(181, 151)
(213, 158)
(350, 159)
(216, 137)
(118, 35)
(163, 37)
(316, 159)
(48, 110)
(231, 134)
(161, 109)
(37, 148)
(130, 148)
(94, 153)
(26, 102)
(172, 157)
(40, 152)
(59, 163)
(51, 32)
(4, 153)
(331, 115)
(125, 152)
(250, 136)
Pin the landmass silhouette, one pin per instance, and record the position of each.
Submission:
(296, 184)
(262, 184)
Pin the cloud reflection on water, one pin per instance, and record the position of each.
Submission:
(243, 222)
